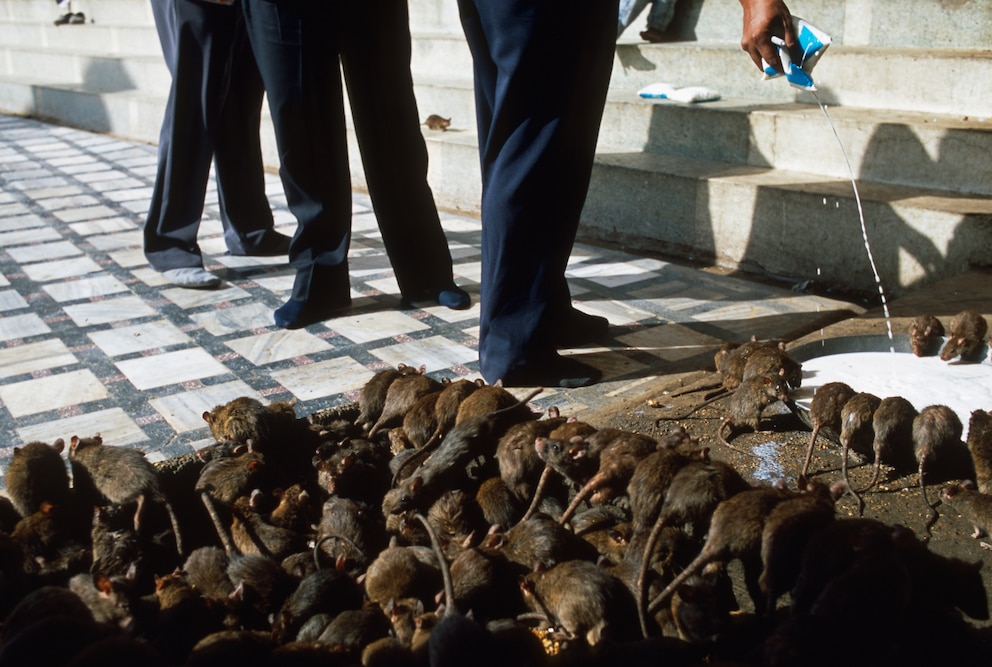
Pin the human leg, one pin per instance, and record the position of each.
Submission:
(376, 57)
(629, 10)
(244, 208)
(537, 136)
(185, 145)
(296, 47)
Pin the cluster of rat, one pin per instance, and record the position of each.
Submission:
(890, 430)
(451, 524)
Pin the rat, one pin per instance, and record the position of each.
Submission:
(786, 530)
(773, 360)
(750, 400)
(436, 122)
(223, 481)
(972, 505)
(653, 474)
(37, 474)
(251, 534)
(893, 441)
(966, 335)
(925, 333)
(448, 404)
(122, 475)
(372, 397)
(735, 531)
(470, 437)
(519, 465)
(936, 432)
(618, 457)
(583, 601)
(354, 468)
(324, 591)
(402, 394)
(980, 446)
(857, 431)
(825, 411)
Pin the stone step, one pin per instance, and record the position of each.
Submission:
(133, 12)
(902, 148)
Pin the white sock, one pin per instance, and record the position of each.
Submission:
(194, 276)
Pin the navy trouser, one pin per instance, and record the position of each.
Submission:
(542, 70)
(300, 46)
(213, 114)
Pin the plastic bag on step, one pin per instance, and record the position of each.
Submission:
(798, 64)
(687, 94)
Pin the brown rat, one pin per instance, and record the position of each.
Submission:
(252, 534)
(965, 337)
(222, 481)
(583, 600)
(736, 529)
(825, 412)
(973, 506)
(925, 334)
(372, 397)
(436, 122)
(773, 360)
(936, 433)
(401, 395)
(37, 474)
(980, 446)
(122, 475)
(892, 424)
(750, 399)
(618, 453)
(857, 431)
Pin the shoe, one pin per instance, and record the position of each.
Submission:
(271, 245)
(64, 19)
(195, 277)
(558, 371)
(300, 314)
(579, 328)
(451, 296)
(77, 18)
(656, 36)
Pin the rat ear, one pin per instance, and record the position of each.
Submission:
(207, 417)
(58, 445)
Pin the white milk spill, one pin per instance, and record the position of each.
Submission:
(923, 381)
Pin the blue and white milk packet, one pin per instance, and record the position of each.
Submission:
(797, 65)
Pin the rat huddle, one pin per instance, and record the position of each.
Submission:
(443, 522)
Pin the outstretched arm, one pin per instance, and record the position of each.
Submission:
(762, 20)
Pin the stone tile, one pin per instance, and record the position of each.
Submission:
(22, 326)
(108, 310)
(52, 392)
(368, 327)
(77, 214)
(159, 370)
(223, 321)
(434, 352)
(184, 411)
(17, 221)
(113, 425)
(277, 345)
(11, 300)
(127, 340)
(324, 378)
(195, 298)
(61, 269)
(34, 358)
(671, 342)
(102, 226)
(29, 235)
(85, 288)
(43, 251)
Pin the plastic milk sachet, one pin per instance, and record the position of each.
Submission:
(798, 63)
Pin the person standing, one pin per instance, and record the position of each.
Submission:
(301, 47)
(212, 116)
(542, 70)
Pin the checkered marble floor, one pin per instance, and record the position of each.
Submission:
(94, 341)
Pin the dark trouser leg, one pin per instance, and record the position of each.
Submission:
(198, 37)
(244, 208)
(537, 134)
(296, 48)
(376, 58)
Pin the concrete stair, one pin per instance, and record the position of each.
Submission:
(755, 182)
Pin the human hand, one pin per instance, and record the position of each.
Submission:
(762, 20)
